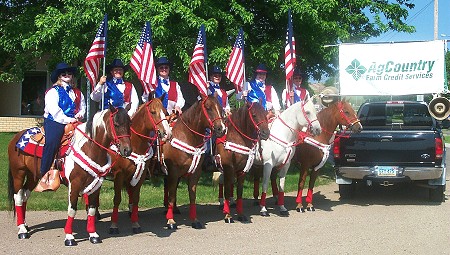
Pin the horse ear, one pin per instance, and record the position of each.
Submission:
(112, 108)
(162, 96)
(128, 107)
(203, 96)
(216, 94)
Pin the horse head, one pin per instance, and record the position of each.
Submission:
(117, 127)
(308, 118)
(348, 116)
(258, 119)
(158, 118)
(213, 113)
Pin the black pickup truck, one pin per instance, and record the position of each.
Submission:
(400, 142)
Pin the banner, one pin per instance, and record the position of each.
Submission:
(400, 68)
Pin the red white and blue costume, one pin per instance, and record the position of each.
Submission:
(300, 94)
(173, 95)
(259, 90)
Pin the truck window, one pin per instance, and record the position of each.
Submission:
(380, 115)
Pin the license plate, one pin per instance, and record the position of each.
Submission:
(386, 171)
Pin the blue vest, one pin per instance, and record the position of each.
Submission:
(256, 93)
(113, 95)
(213, 87)
(65, 103)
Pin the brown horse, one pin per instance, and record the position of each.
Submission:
(184, 153)
(150, 118)
(246, 126)
(112, 125)
(314, 152)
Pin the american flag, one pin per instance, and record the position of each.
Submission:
(96, 53)
(289, 50)
(235, 65)
(197, 73)
(142, 60)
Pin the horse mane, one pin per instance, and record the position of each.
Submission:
(190, 113)
(94, 122)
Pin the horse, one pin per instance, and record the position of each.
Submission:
(111, 125)
(315, 151)
(184, 152)
(246, 126)
(130, 172)
(286, 131)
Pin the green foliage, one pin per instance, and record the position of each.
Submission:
(64, 30)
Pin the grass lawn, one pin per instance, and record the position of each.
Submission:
(151, 192)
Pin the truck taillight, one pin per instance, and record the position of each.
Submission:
(336, 148)
(439, 148)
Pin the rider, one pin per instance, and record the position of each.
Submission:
(215, 77)
(299, 92)
(173, 100)
(118, 92)
(64, 103)
(259, 90)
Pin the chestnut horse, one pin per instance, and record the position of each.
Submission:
(184, 153)
(150, 118)
(246, 127)
(314, 152)
(108, 126)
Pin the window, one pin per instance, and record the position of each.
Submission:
(34, 86)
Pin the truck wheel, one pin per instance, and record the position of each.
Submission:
(346, 190)
(436, 194)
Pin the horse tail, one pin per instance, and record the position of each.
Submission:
(11, 206)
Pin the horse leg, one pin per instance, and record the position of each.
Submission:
(90, 227)
(118, 182)
(71, 211)
(257, 170)
(192, 188)
(267, 170)
(228, 180)
(221, 184)
(18, 193)
(175, 208)
(309, 196)
(171, 187)
(282, 174)
(273, 184)
(301, 185)
(20, 204)
(239, 201)
(135, 208)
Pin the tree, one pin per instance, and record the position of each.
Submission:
(64, 30)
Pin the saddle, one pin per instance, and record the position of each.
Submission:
(69, 130)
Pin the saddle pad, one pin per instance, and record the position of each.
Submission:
(31, 147)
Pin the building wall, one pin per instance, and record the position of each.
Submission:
(16, 124)
(11, 94)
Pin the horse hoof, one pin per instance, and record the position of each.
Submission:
(242, 218)
(27, 228)
(197, 225)
(284, 213)
(229, 220)
(95, 240)
(113, 231)
(264, 214)
(301, 210)
(171, 226)
(23, 235)
(311, 209)
(137, 230)
(70, 242)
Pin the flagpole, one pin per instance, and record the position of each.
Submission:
(104, 61)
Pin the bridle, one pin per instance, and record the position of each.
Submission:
(350, 122)
(255, 125)
(153, 122)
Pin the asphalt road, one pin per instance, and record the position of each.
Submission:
(394, 220)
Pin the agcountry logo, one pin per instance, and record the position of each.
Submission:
(356, 70)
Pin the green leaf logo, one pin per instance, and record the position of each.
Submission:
(356, 69)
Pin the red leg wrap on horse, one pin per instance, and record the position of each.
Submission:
(309, 196)
(274, 187)
(90, 224)
(299, 199)
(220, 190)
(130, 196)
(280, 198)
(255, 189)
(68, 227)
(226, 206)
(86, 200)
(239, 207)
(192, 212)
(134, 213)
(263, 199)
(169, 214)
(20, 215)
(115, 215)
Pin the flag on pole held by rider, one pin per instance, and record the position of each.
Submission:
(197, 71)
(97, 51)
(235, 65)
(289, 50)
(142, 61)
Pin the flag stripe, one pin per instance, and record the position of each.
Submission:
(96, 53)
(235, 65)
(197, 73)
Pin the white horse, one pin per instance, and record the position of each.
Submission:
(286, 132)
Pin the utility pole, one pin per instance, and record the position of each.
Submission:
(436, 12)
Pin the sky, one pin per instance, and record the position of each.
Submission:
(422, 17)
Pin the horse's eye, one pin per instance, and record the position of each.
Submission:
(153, 112)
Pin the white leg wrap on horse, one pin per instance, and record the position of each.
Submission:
(93, 234)
(69, 237)
(282, 208)
(91, 211)
(19, 198)
(71, 212)
(22, 229)
(263, 209)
